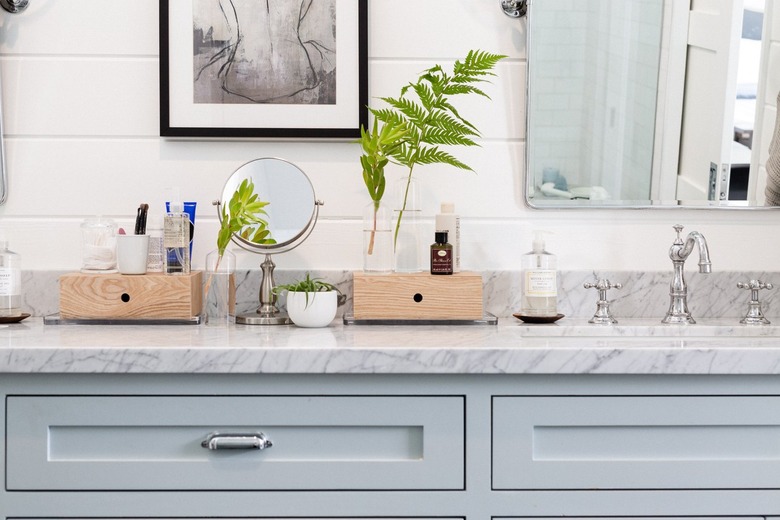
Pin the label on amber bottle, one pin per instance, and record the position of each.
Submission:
(441, 261)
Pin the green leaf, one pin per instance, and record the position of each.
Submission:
(456, 89)
(426, 155)
(426, 95)
(409, 130)
(242, 216)
(445, 136)
(413, 111)
(307, 285)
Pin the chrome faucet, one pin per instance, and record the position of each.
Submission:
(678, 292)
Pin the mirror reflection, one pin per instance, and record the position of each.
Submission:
(292, 212)
(290, 195)
(646, 103)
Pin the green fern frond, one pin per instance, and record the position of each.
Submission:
(441, 119)
(431, 155)
(412, 110)
(426, 95)
(405, 155)
(443, 136)
(476, 62)
(421, 119)
(456, 89)
(456, 115)
(389, 116)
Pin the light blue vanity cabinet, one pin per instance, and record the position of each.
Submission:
(395, 446)
(636, 442)
(436, 433)
(121, 443)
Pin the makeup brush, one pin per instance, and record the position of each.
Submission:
(140, 219)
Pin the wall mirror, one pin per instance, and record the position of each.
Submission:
(292, 213)
(646, 103)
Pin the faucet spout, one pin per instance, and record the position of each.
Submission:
(678, 293)
(705, 266)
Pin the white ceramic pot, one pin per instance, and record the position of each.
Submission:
(319, 311)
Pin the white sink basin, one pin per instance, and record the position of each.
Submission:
(649, 328)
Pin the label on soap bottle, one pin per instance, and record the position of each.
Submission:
(541, 282)
(10, 281)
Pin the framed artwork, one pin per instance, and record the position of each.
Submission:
(263, 68)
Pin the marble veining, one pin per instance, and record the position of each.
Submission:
(643, 296)
(509, 348)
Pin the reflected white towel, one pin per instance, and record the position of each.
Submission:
(772, 191)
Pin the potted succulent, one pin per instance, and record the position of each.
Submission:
(413, 128)
(310, 302)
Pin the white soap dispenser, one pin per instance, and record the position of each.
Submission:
(10, 281)
(539, 281)
(176, 238)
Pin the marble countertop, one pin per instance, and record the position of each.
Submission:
(509, 347)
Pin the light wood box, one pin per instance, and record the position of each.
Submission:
(417, 296)
(153, 295)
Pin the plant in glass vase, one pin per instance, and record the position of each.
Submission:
(414, 128)
(244, 215)
(378, 146)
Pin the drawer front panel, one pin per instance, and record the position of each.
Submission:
(633, 442)
(154, 443)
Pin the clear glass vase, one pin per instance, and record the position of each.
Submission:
(407, 227)
(219, 291)
(377, 239)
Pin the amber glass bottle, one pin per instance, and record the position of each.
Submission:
(441, 255)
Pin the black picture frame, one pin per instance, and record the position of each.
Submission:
(181, 116)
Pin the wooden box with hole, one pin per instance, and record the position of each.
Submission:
(149, 296)
(417, 296)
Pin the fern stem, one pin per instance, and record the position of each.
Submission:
(211, 275)
(403, 206)
(373, 231)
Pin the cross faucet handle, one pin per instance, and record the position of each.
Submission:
(754, 315)
(602, 315)
(603, 285)
(678, 228)
(754, 285)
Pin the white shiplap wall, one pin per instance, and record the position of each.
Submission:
(81, 103)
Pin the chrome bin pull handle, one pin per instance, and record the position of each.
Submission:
(236, 441)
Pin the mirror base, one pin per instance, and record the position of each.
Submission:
(256, 319)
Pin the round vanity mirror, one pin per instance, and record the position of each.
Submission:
(291, 214)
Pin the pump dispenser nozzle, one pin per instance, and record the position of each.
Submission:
(538, 242)
(175, 205)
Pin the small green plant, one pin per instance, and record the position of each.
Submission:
(307, 285)
(414, 129)
(243, 215)
(378, 147)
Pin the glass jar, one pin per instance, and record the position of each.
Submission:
(98, 245)
(10, 282)
(219, 291)
(407, 227)
(377, 239)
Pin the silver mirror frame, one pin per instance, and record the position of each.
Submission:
(267, 312)
(527, 188)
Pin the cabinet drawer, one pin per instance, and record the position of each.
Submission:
(154, 443)
(636, 442)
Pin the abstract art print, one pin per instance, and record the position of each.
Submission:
(263, 68)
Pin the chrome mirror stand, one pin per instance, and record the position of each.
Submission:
(514, 8)
(14, 6)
